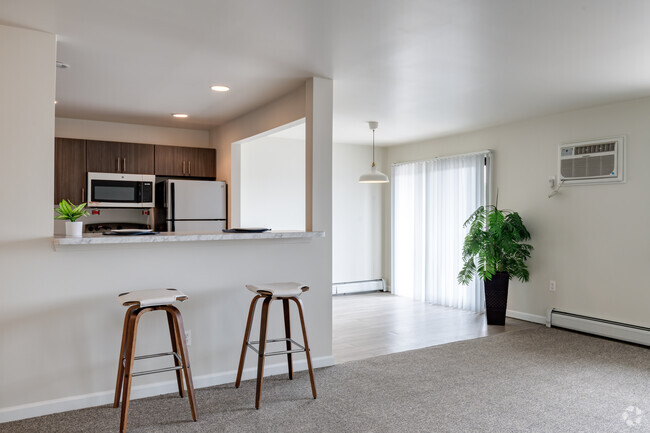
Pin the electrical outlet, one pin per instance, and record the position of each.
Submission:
(551, 285)
(188, 337)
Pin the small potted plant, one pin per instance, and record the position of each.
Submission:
(68, 211)
(496, 240)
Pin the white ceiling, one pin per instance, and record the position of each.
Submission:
(422, 68)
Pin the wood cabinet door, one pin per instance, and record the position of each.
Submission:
(103, 156)
(69, 170)
(137, 158)
(201, 162)
(169, 161)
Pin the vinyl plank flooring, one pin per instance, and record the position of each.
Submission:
(373, 324)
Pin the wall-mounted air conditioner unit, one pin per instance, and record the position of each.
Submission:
(597, 161)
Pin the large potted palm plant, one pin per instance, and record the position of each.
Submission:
(495, 250)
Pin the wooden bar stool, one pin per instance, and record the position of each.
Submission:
(140, 302)
(271, 291)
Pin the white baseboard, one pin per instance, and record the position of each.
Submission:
(40, 408)
(604, 328)
(358, 287)
(526, 316)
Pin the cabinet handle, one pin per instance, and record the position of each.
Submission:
(123, 165)
(183, 167)
(83, 194)
(117, 160)
(189, 167)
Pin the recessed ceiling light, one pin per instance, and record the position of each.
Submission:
(62, 65)
(219, 88)
(180, 115)
(56, 102)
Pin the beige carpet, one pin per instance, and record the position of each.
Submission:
(533, 380)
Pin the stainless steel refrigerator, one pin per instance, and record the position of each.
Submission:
(195, 205)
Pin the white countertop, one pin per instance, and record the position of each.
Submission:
(94, 239)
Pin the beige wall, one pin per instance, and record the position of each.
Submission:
(272, 189)
(126, 132)
(594, 240)
(284, 110)
(59, 318)
(358, 215)
(27, 84)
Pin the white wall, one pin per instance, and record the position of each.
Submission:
(314, 103)
(273, 183)
(282, 111)
(27, 86)
(126, 132)
(60, 324)
(593, 240)
(358, 216)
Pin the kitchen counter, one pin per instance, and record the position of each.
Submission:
(94, 239)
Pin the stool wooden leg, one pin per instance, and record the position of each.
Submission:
(132, 331)
(175, 348)
(287, 334)
(120, 364)
(247, 334)
(304, 336)
(180, 338)
(262, 348)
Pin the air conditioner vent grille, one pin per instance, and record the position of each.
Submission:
(597, 161)
(588, 167)
(596, 148)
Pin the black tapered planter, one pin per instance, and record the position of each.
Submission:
(496, 298)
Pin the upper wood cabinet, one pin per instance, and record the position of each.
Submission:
(69, 170)
(201, 162)
(138, 158)
(186, 162)
(73, 158)
(111, 157)
(169, 161)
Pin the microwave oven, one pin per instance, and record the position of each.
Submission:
(121, 190)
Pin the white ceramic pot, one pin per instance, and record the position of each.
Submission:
(74, 229)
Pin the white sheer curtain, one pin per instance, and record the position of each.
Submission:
(431, 201)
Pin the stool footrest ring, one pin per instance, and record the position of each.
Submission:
(250, 344)
(158, 370)
(156, 355)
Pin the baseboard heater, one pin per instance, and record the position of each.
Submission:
(601, 327)
(359, 286)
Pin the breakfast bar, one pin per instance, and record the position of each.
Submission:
(95, 239)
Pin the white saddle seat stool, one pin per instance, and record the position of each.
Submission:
(270, 292)
(140, 302)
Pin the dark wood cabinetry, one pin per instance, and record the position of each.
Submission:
(69, 170)
(138, 158)
(185, 162)
(111, 157)
(73, 158)
(169, 161)
(201, 162)
(103, 156)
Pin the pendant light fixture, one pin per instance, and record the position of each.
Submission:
(374, 175)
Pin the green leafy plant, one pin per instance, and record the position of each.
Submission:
(68, 211)
(495, 243)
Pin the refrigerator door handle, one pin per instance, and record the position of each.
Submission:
(173, 205)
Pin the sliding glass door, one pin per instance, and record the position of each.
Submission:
(430, 202)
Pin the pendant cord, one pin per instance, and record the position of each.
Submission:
(373, 147)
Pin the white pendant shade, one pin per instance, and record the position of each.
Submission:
(373, 176)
